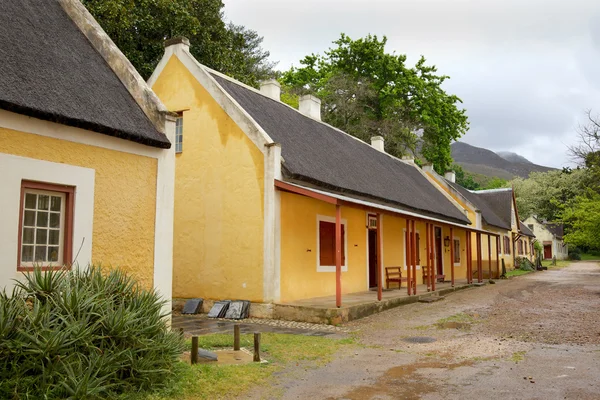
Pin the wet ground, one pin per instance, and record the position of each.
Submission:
(532, 337)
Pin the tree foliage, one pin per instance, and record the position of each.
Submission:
(368, 92)
(464, 178)
(140, 27)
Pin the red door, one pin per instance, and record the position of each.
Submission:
(547, 251)
(438, 251)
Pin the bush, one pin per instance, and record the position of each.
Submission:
(83, 335)
(523, 264)
(574, 256)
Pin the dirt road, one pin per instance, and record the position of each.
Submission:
(533, 337)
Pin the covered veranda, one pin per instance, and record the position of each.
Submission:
(475, 264)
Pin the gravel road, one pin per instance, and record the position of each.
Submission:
(532, 337)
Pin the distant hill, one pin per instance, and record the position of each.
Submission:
(505, 165)
(513, 157)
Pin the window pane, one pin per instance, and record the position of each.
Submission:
(54, 236)
(43, 202)
(30, 200)
(41, 236)
(53, 254)
(40, 253)
(54, 220)
(27, 254)
(55, 203)
(29, 219)
(42, 219)
(28, 235)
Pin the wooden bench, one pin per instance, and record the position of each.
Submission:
(393, 274)
(425, 269)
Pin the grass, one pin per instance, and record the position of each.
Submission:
(559, 264)
(518, 356)
(516, 272)
(205, 381)
(460, 317)
(590, 257)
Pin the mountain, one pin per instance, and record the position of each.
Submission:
(513, 157)
(480, 161)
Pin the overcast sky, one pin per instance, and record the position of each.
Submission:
(525, 69)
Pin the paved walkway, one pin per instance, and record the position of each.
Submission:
(201, 325)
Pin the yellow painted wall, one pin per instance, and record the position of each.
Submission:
(219, 191)
(124, 200)
(299, 276)
(470, 212)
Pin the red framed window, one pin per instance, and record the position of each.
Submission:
(45, 226)
(327, 243)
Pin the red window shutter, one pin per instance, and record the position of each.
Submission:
(327, 243)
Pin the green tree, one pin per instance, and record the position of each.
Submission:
(582, 215)
(140, 27)
(496, 183)
(464, 179)
(367, 91)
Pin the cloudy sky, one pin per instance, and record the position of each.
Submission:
(525, 69)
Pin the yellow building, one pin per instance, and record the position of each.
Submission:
(493, 211)
(274, 205)
(86, 165)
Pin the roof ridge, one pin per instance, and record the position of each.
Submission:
(499, 190)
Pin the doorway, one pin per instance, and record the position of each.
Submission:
(547, 251)
(372, 258)
(438, 251)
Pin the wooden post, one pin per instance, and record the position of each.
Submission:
(452, 256)
(256, 346)
(413, 254)
(236, 337)
(433, 271)
(498, 256)
(428, 252)
(194, 355)
(338, 256)
(490, 256)
(407, 258)
(479, 265)
(468, 250)
(379, 260)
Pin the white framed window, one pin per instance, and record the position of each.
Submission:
(45, 225)
(179, 133)
(326, 244)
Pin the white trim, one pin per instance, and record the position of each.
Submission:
(458, 264)
(22, 123)
(15, 169)
(272, 226)
(163, 228)
(404, 245)
(331, 268)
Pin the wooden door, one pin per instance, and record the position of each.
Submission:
(438, 251)
(372, 258)
(547, 251)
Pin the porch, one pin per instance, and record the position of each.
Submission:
(323, 310)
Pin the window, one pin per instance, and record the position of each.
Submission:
(179, 133)
(456, 251)
(46, 225)
(530, 226)
(327, 245)
(520, 247)
(506, 245)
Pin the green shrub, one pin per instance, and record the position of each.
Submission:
(83, 335)
(523, 264)
(574, 255)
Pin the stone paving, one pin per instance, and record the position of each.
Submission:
(201, 325)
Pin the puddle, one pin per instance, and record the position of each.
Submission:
(455, 325)
(419, 339)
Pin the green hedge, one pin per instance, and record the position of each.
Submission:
(83, 335)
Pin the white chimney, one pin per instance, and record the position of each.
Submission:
(408, 159)
(428, 167)
(377, 143)
(450, 176)
(310, 106)
(271, 88)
